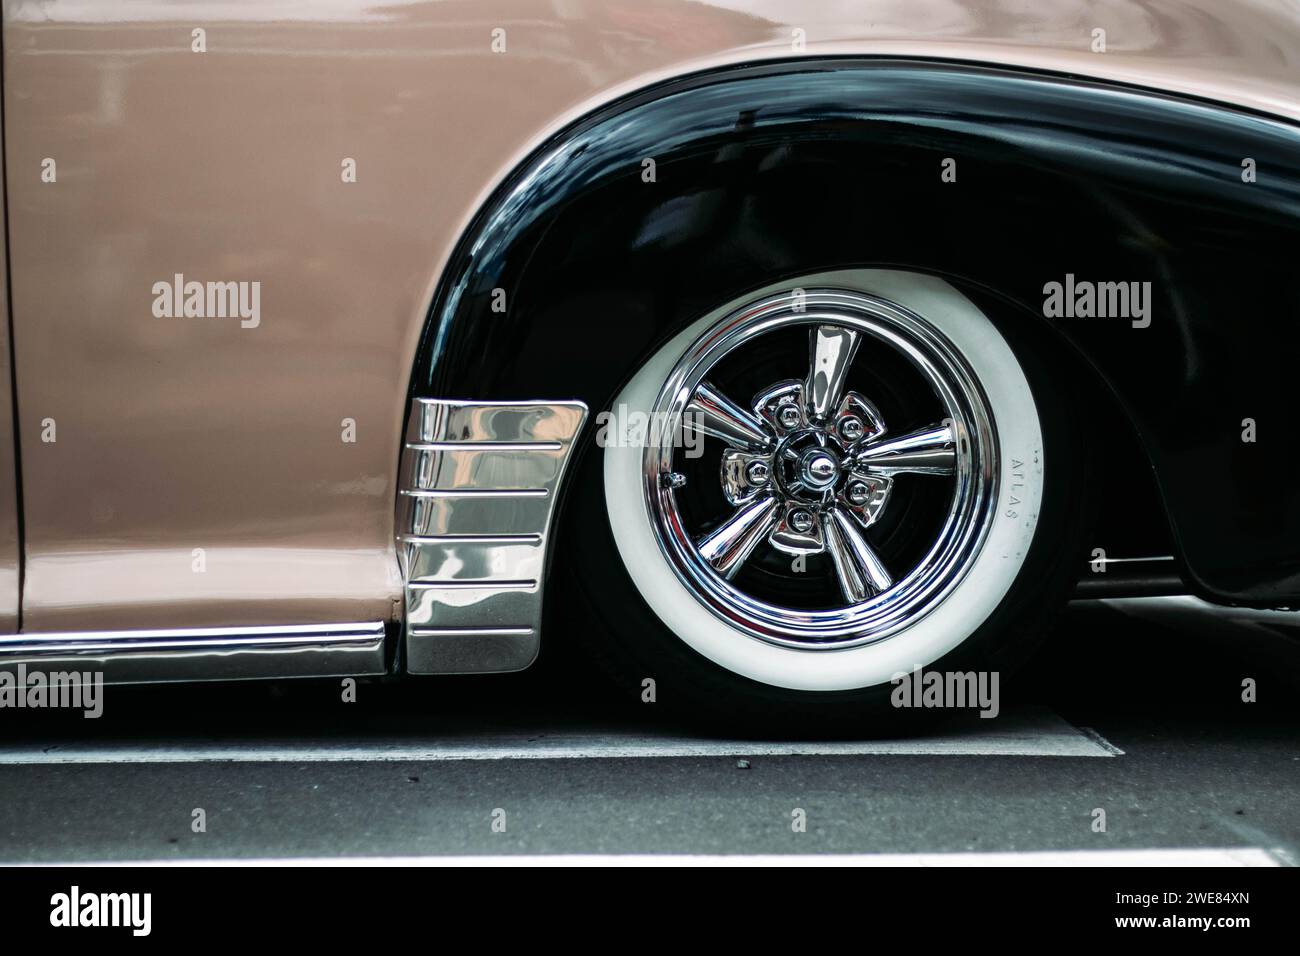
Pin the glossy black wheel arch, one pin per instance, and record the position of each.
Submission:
(765, 172)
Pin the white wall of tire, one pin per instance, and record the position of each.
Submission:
(963, 610)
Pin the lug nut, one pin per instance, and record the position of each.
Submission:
(788, 415)
(672, 479)
(757, 473)
(851, 428)
(857, 492)
(801, 521)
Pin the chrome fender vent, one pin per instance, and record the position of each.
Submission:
(477, 494)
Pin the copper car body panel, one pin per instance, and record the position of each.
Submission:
(200, 476)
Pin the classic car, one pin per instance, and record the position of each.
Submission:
(767, 350)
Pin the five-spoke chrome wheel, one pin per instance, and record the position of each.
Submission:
(810, 466)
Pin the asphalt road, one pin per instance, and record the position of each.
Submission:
(1139, 716)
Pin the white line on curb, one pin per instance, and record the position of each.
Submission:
(1030, 733)
(1221, 856)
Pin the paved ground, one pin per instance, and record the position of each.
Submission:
(1140, 716)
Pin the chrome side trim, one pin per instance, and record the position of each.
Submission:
(477, 495)
(204, 653)
(1155, 576)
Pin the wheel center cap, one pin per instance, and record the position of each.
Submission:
(807, 466)
(818, 470)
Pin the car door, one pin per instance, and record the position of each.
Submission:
(229, 467)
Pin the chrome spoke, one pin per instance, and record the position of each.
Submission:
(928, 451)
(864, 573)
(714, 414)
(831, 351)
(727, 547)
(852, 585)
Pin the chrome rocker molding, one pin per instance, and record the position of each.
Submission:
(477, 495)
(192, 654)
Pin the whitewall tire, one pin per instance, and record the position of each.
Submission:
(868, 639)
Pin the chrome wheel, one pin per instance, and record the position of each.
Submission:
(810, 468)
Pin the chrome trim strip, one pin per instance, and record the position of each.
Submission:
(474, 650)
(433, 560)
(516, 585)
(477, 495)
(484, 513)
(486, 446)
(520, 467)
(474, 538)
(204, 653)
(439, 420)
(1153, 576)
(454, 631)
(1162, 557)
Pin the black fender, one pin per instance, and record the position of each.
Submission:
(766, 172)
